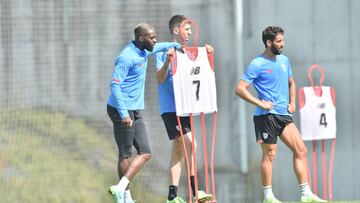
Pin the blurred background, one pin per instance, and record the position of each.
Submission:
(56, 61)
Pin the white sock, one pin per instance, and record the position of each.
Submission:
(123, 183)
(127, 195)
(305, 190)
(268, 192)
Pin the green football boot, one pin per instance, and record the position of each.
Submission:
(271, 200)
(117, 195)
(311, 198)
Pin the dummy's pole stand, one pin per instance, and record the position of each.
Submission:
(188, 159)
(188, 169)
(326, 185)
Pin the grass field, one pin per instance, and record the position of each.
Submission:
(51, 157)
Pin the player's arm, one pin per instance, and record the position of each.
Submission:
(162, 73)
(122, 67)
(243, 92)
(164, 46)
(292, 95)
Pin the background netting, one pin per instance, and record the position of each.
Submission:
(56, 60)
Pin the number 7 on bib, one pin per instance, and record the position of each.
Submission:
(194, 81)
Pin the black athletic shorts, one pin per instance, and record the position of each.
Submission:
(126, 137)
(269, 126)
(171, 125)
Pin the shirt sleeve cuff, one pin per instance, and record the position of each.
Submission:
(246, 80)
(123, 113)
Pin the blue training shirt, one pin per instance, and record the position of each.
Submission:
(128, 79)
(165, 90)
(271, 81)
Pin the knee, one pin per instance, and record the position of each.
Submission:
(190, 139)
(269, 155)
(147, 157)
(302, 152)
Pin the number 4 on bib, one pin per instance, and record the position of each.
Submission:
(317, 110)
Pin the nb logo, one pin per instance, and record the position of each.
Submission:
(321, 105)
(195, 70)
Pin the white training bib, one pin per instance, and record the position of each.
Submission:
(194, 84)
(318, 115)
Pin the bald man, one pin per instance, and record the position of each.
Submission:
(125, 103)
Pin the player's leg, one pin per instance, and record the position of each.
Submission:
(123, 164)
(141, 144)
(268, 156)
(266, 132)
(124, 138)
(292, 138)
(188, 144)
(176, 156)
(185, 122)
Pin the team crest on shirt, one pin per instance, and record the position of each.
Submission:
(265, 135)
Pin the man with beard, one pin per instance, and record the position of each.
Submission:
(271, 75)
(125, 102)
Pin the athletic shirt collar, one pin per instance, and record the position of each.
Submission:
(269, 59)
(137, 50)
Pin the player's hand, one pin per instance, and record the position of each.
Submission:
(127, 121)
(291, 107)
(209, 48)
(170, 53)
(268, 105)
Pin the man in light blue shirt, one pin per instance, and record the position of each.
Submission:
(125, 102)
(168, 114)
(270, 79)
(270, 73)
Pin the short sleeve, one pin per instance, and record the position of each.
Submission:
(251, 73)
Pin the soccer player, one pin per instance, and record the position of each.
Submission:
(124, 105)
(271, 75)
(168, 113)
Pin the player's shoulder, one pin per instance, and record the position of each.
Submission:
(126, 57)
(258, 61)
(129, 49)
(283, 57)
